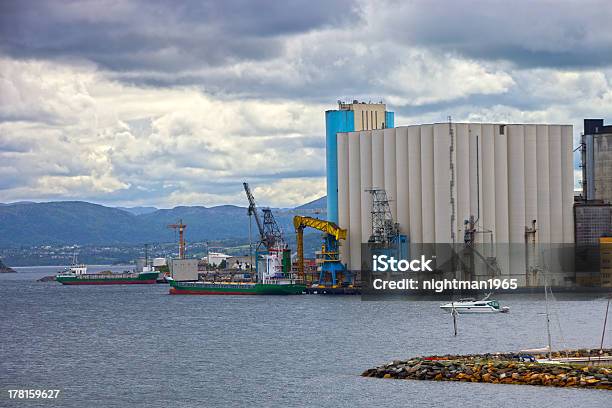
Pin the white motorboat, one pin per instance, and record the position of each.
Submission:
(484, 305)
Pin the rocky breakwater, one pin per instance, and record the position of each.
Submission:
(497, 369)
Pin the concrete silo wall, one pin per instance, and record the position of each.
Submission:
(415, 231)
(505, 175)
(427, 184)
(354, 193)
(365, 162)
(343, 193)
(402, 177)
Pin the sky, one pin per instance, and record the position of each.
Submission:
(163, 103)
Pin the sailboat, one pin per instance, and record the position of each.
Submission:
(586, 360)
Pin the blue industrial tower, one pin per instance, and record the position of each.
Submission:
(348, 118)
(335, 121)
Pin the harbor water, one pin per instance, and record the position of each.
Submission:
(135, 345)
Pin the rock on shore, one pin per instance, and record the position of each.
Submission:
(499, 369)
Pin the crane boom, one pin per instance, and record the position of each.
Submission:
(253, 211)
(330, 248)
(300, 221)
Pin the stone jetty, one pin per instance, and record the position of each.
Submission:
(503, 368)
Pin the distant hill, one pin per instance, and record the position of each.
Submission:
(319, 203)
(83, 223)
(64, 222)
(138, 210)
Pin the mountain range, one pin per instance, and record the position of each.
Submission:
(84, 223)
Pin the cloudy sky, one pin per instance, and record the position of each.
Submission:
(176, 103)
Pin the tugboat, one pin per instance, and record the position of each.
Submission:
(77, 275)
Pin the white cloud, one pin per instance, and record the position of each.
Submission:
(425, 78)
(161, 118)
(73, 133)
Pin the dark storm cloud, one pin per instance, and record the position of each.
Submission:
(162, 36)
(165, 43)
(528, 33)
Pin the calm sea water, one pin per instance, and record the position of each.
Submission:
(124, 346)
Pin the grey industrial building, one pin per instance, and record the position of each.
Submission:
(596, 149)
(593, 220)
(593, 209)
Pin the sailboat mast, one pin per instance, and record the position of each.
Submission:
(603, 332)
(548, 322)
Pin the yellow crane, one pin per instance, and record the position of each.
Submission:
(331, 259)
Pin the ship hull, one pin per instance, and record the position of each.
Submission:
(92, 279)
(191, 288)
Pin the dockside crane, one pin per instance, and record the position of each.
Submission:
(270, 233)
(181, 229)
(252, 212)
(329, 250)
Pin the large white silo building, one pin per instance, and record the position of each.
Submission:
(508, 174)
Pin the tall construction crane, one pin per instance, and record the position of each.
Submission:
(329, 250)
(181, 229)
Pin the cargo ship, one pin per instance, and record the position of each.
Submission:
(77, 275)
(273, 281)
(285, 287)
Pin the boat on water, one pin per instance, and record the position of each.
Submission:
(602, 358)
(77, 275)
(485, 305)
(281, 287)
(273, 281)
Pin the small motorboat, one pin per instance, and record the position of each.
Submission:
(484, 305)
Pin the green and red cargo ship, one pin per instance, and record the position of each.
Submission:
(107, 279)
(229, 288)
